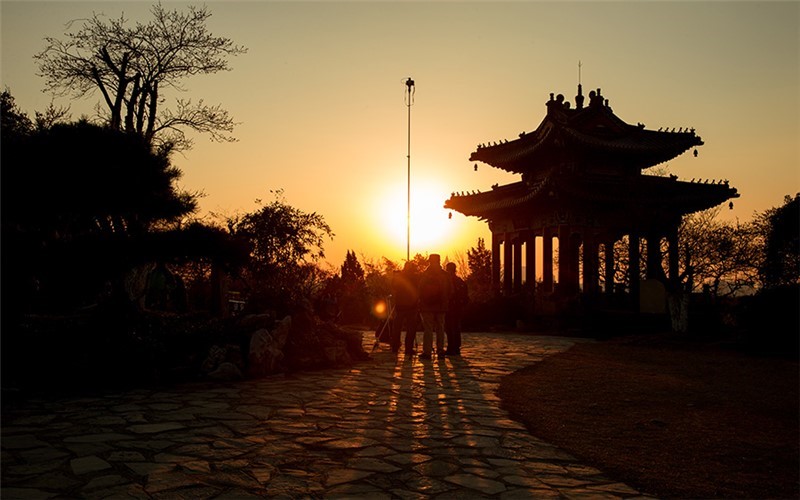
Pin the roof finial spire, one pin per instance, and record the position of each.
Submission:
(579, 97)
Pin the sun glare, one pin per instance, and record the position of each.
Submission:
(430, 226)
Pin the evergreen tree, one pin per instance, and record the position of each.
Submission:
(354, 297)
(479, 280)
(352, 272)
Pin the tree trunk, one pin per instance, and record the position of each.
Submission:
(132, 105)
(143, 96)
(151, 115)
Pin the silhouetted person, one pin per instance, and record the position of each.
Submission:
(452, 320)
(406, 308)
(434, 295)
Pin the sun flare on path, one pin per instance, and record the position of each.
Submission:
(430, 228)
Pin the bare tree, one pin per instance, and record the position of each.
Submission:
(721, 255)
(133, 65)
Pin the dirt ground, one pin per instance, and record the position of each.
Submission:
(673, 419)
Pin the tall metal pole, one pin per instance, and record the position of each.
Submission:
(410, 97)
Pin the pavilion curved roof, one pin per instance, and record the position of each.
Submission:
(593, 132)
(645, 191)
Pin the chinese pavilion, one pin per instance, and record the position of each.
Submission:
(583, 184)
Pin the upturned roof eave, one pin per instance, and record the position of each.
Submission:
(634, 145)
(686, 197)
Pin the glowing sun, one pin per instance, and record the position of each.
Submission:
(430, 228)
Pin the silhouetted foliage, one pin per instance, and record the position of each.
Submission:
(15, 123)
(352, 290)
(75, 179)
(722, 256)
(479, 279)
(352, 272)
(377, 277)
(77, 200)
(285, 244)
(781, 228)
(133, 65)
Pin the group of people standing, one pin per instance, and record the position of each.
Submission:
(436, 295)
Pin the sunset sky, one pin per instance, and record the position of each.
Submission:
(320, 99)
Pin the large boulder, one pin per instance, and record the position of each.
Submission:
(226, 372)
(219, 355)
(266, 354)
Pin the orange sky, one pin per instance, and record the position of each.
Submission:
(320, 98)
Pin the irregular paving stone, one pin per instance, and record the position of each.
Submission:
(154, 428)
(147, 468)
(84, 449)
(339, 476)
(482, 484)
(108, 420)
(350, 443)
(408, 458)
(52, 481)
(528, 494)
(162, 481)
(354, 491)
(153, 445)
(25, 493)
(477, 441)
(85, 465)
(436, 468)
(562, 481)
(191, 492)
(530, 482)
(37, 455)
(614, 488)
(237, 494)
(481, 471)
(127, 491)
(373, 451)
(28, 470)
(371, 464)
(22, 442)
(105, 482)
(97, 438)
(125, 456)
(427, 485)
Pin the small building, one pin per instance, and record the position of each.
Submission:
(583, 185)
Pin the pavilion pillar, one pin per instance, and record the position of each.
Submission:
(655, 269)
(634, 266)
(530, 261)
(609, 264)
(590, 265)
(547, 261)
(507, 264)
(517, 245)
(673, 259)
(495, 262)
(574, 264)
(564, 259)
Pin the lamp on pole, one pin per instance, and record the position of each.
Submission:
(409, 101)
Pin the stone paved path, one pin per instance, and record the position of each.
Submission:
(391, 427)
